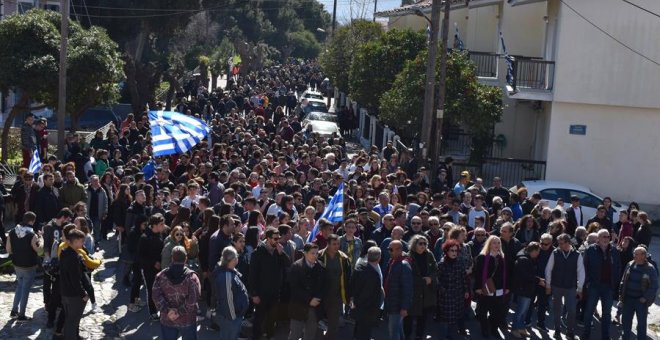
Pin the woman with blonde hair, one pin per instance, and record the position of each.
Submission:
(491, 287)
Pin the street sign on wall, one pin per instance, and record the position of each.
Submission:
(578, 130)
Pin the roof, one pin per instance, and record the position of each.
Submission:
(423, 5)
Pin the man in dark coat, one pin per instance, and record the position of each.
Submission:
(367, 294)
(47, 203)
(307, 286)
(574, 216)
(398, 289)
(266, 278)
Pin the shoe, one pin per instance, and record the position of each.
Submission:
(50, 324)
(23, 318)
(541, 326)
(13, 314)
(95, 308)
(557, 336)
(154, 317)
(134, 308)
(580, 322)
(517, 334)
(140, 303)
(214, 326)
(525, 333)
(209, 314)
(246, 324)
(570, 336)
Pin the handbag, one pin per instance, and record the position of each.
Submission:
(489, 285)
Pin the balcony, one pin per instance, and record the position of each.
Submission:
(533, 79)
(485, 63)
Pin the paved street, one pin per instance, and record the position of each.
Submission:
(115, 323)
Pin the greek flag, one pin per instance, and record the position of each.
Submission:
(35, 162)
(428, 32)
(509, 62)
(174, 132)
(458, 43)
(149, 170)
(334, 212)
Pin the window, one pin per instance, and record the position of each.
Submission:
(51, 6)
(587, 200)
(24, 6)
(551, 194)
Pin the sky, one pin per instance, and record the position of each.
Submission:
(344, 7)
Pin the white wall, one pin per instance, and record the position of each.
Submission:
(482, 34)
(523, 28)
(618, 156)
(520, 126)
(593, 68)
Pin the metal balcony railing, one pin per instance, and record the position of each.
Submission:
(485, 63)
(533, 74)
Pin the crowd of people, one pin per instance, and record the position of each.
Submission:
(222, 233)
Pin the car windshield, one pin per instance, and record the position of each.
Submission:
(313, 95)
(322, 117)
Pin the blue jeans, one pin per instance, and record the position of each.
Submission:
(605, 295)
(521, 311)
(229, 329)
(395, 326)
(24, 281)
(448, 331)
(173, 333)
(632, 306)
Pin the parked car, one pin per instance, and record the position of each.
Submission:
(309, 94)
(552, 190)
(317, 105)
(322, 123)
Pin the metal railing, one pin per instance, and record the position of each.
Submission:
(511, 170)
(485, 63)
(533, 74)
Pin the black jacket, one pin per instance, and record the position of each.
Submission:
(525, 280)
(306, 283)
(47, 204)
(72, 278)
(150, 247)
(267, 272)
(573, 220)
(367, 293)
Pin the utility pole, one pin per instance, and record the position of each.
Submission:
(61, 95)
(442, 89)
(429, 88)
(375, 8)
(334, 17)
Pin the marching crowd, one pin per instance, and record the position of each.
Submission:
(222, 233)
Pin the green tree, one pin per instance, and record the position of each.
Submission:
(304, 45)
(30, 64)
(342, 46)
(376, 64)
(469, 104)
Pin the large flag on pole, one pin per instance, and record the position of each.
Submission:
(35, 162)
(174, 132)
(334, 212)
(509, 62)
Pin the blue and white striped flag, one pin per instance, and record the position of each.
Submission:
(35, 162)
(174, 132)
(509, 62)
(428, 32)
(334, 212)
(458, 43)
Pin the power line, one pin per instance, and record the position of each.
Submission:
(609, 35)
(642, 8)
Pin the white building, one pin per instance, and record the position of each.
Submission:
(587, 77)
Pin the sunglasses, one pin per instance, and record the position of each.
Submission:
(546, 244)
(422, 243)
(480, 235)
(178, 234)
(416, 223)
(276, 238)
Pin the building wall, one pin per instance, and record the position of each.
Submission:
(617, 156)
(523, 28)
(520, 126)
(482, 33)
(593, 68)
(412, 22)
